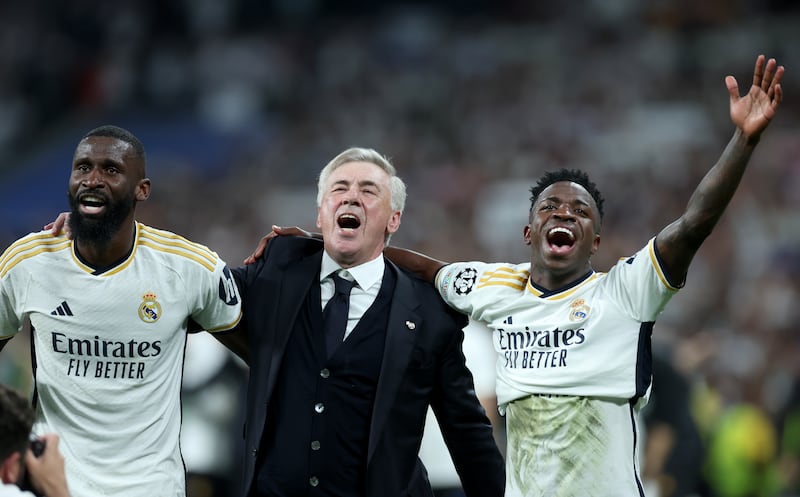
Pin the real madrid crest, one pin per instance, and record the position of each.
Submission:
(150, 309)
(579, 311)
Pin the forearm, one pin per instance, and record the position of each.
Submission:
(420, 264)
(236, 341)
(716, 189)
(678, 242)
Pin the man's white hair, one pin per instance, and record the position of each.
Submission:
(358, 154)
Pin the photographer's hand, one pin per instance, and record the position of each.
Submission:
(46, 472)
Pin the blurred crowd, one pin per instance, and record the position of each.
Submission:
(240, 103)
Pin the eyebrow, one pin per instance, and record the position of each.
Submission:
(558, 200)
(361, 183)
(104, 163)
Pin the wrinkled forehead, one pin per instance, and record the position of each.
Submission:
(359, 172)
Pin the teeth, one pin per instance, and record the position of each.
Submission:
(559, 229)
(91, 198)
(348, 221)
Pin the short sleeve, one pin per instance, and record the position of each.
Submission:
(218, 305)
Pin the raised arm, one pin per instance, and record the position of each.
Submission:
(420, 264)
(751, 113)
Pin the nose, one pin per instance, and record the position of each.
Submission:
(93, 178)
(564, 212)
(350, 197)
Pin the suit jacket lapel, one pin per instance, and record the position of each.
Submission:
(404, 322)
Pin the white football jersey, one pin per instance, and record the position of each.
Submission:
(12, 490)
(109, 349)
(573, 366)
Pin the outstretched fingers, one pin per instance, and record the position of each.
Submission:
(753, 111)
(733, 88)
(778, 95)
(767, 78)
(769, 75)
(775, 92)
(775, 98)
(773, 74)
(758, 72)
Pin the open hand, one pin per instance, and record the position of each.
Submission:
(276, 231)
(753, 112)
(60, 223)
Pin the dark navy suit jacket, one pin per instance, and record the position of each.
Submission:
(423, 364)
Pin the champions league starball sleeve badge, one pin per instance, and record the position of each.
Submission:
(465, 281)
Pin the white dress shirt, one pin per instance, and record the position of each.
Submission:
(368, 277)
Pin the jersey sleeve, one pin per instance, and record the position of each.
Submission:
(10, 321)
(470, 287)
(218, 305)
(640, 285)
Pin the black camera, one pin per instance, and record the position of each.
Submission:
(37, 447)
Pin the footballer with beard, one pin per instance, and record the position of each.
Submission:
(108, 308)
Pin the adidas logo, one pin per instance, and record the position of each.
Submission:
(62, 310)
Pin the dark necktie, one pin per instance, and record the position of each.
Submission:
(334, 317)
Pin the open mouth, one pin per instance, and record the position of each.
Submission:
(348, 221)
(92, 203)
(560, 239)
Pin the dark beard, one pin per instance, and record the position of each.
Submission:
(99, 231)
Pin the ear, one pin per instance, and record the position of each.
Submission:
(526, 234)
(319, 222)
(595, 243)
(11, 469)
(143, 190)
(394, 222)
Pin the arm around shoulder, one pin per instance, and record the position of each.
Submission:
(423, 266)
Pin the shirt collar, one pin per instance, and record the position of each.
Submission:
(365, 274)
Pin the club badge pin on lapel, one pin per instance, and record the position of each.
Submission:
(411, 325)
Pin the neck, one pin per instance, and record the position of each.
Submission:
(552, 279)
(347, 260)
(104, 254)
